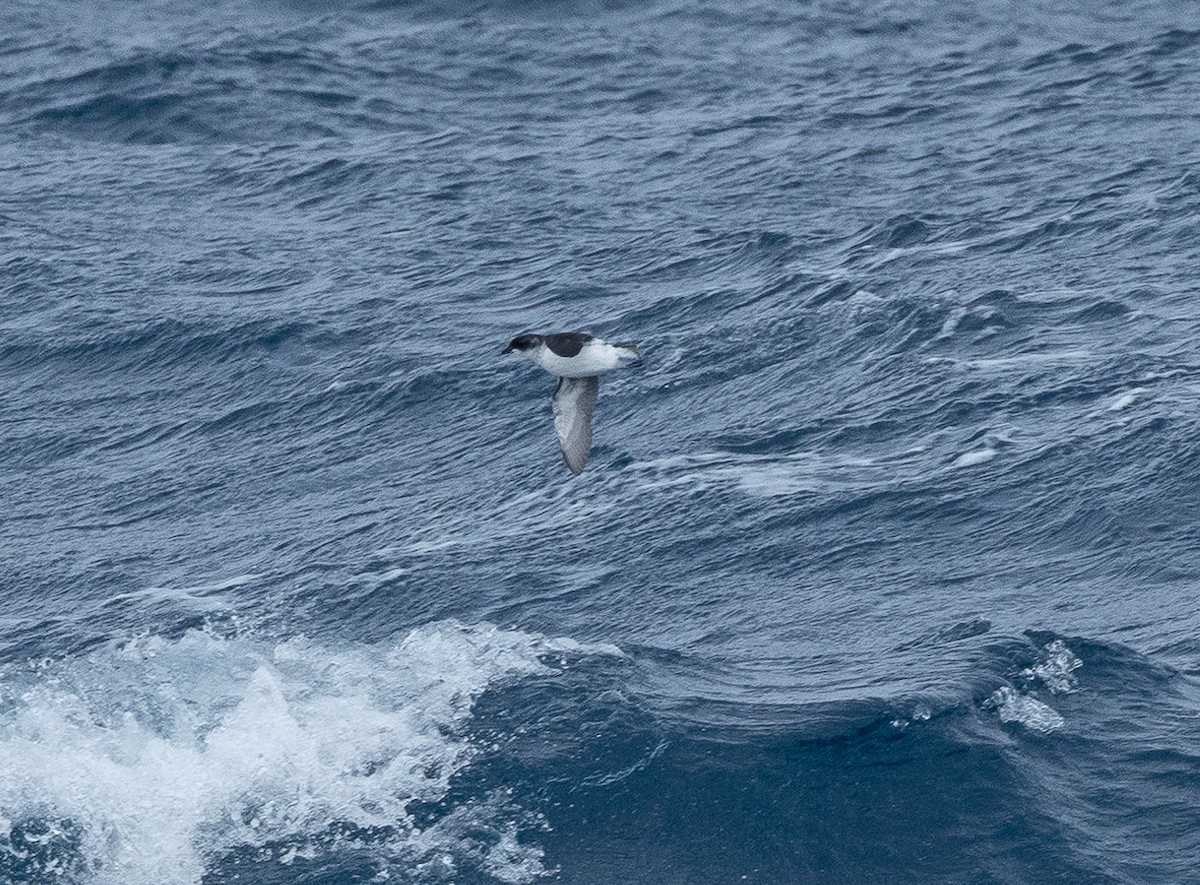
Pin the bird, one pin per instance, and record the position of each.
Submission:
(577, 359)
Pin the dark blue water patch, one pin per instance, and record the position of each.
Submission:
(802, 813)
(809, 804)
(1174, 41)
(906, 231)
(324, 180)
(1119, 690)
(189, 95)
(954, 633)
(156, 345)
(42, 850)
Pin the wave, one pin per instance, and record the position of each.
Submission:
(161, 761)
(472, 753)
(995, 778)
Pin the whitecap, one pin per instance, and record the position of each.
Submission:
(1126, 399)
(207, 596)
(1056, 672)
(148, 761)
(977, 456)
(1012, 706)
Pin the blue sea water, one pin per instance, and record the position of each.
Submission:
(885, 567)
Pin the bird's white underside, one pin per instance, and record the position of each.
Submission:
(594, 358)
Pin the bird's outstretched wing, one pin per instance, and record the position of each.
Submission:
(574, 401)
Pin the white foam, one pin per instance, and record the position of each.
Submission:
(1019, 360)
(978, 456)
(456, 838)
(950, 324)
(199, 596)
(1057, 671)
(1126, 399)
(1012, 706)
(766, 476)
(164, 755)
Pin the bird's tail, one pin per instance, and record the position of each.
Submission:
(632, 358)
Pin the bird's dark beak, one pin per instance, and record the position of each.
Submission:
(508, 349)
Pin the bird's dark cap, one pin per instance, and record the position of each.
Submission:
(528, 341)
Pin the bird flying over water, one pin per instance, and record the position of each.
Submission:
(577, 359)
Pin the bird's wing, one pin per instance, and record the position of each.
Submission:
(574, 401)
(567, 343)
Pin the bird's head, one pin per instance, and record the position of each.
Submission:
(524, 343)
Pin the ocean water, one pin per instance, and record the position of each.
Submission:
(885, 567)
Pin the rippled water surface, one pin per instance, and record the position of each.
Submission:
(884, 568)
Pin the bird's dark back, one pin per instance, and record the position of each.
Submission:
(566, 343)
